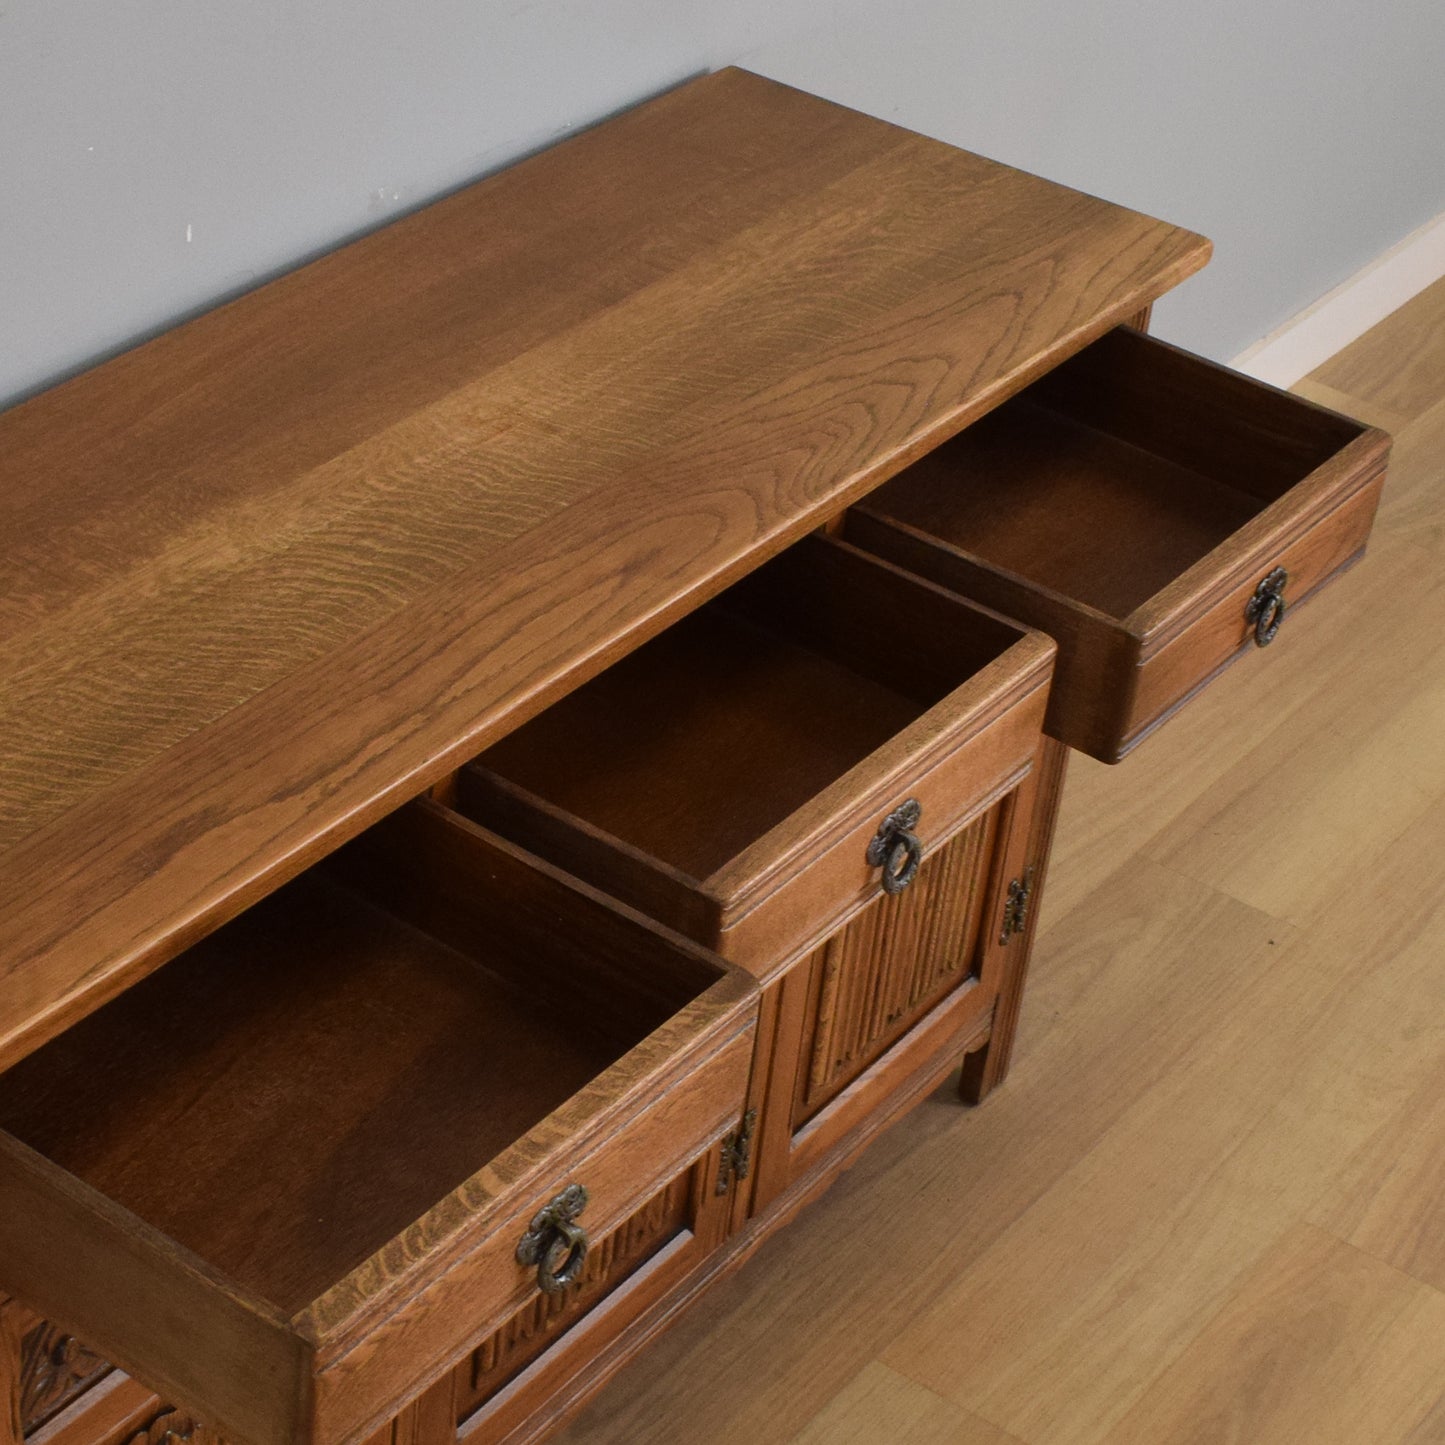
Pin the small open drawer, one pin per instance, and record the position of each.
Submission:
(1154, 513)
(284, 1180)
(735, 777)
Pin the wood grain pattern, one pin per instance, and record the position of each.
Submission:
(1395, 365)
(1431, 1428)
(1313, 1315)
(880, 1404)
(278, 570)
(1274, 1114)
(1413, 513)
(1388, 1200)
(1374, 413)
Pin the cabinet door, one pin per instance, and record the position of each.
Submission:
(533, 1368)
(883, 1008)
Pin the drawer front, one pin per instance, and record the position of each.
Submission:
(1129, 505)
(1171, 673)
(763, 929)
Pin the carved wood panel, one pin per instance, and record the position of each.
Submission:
(886, 967)
(55, 1370)
(524, 1336)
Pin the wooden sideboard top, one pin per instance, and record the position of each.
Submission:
(276, 570)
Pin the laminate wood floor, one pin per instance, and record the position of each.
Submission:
(1208, 1206)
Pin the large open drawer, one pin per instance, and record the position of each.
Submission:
(1153, 512)
(284, 1180)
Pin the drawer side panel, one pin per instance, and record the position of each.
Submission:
(103, 1274)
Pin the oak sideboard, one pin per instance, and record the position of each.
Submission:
(532, 738)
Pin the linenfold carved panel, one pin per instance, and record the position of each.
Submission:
(892, 961)
(528, 1332)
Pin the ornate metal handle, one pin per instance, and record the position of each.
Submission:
(1266, 608)
(556, 1243)
(895, 847)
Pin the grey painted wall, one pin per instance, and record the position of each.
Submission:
(159, 155)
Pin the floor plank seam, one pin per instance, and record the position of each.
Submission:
(1370, 1254)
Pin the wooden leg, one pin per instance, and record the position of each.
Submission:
(986, 1068)
(1140, 319)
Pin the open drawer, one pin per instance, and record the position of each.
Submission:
(817, 774)
(1154, 513)
(739, 776)
(286, 1179)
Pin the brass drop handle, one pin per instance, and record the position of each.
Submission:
(1267, 607)
(895, 847)
(555, 1243)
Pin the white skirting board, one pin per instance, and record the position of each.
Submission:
(1387, 283)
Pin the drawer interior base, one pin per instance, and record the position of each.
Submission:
(1078, 510)
(701, 742)
(739, 725)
